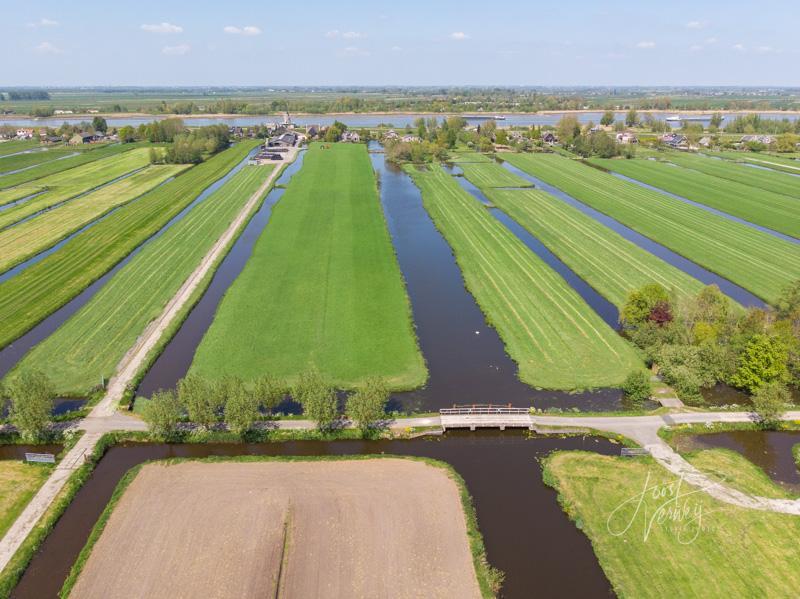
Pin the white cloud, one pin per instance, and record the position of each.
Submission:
(332, 34)
(47, 48)
(646, 45)
(178, 50)
(44, 23)
(459, 35)
(246, 30)
(351, 51)
(739, 47)
(353, 35)
(162, 28)
(694, 25)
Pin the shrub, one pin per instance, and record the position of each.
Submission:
(769, 402)
(31, 403)
(637, 387)
(318, 399)
(764, 360)
(202, 399)
(162, 414)
(241, 407)
(366, 407)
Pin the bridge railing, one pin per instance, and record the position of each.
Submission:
(481, 409)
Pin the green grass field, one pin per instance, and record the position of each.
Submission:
(490, 175)
(62, 186)
(760, 179)
(462, 157)
(757, 261)
(611, 264)
(20, 161)
(47, 285)
(775, 211)
(680, 542)
(16, 145)
(322, 289)
(19, 482)
(94, 340)
(57, 166)
(556, 339)
(779, 163)
(33, 236)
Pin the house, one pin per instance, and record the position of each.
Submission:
(93, 111)
(549, 137)
(705, 142)
(285, 140)
(51, 139)
(62, 112)
(759, 139)
(24, 133)
(312, 130)
(674, 140)
(81, 138)
(390, 134)
(351, 136)
(410, 139)
(626, 137)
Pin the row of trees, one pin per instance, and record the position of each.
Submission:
(207, 403)
(704, 340)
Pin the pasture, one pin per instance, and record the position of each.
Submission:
(778, 163)
(28, 238)
(57, 166)
(94, 340)
(490, 175)
(699, 547)
(63, 186)
(322, 289)
(323, 528)
(611, 264)
(18, 145)
(752, 259)
(758, 178)
(774, 211)
(47, 285)
(19, 482)
(31, 159)
(556, 339)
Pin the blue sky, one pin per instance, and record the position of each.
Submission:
(430, 42)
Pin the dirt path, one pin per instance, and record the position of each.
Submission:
(343, 528)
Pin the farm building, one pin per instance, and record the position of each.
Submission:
(81, 138)
(549, 137)
(24, 133)
(626, 137)
(351, 136)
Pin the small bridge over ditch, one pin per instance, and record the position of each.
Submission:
(474, 416)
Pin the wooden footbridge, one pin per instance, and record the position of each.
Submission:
(474, 416)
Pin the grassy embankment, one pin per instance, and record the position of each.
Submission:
(754, 260)
(760, 179)
(19, 482)
(20, 161)
(322, 289)
(490, 175)
(681, 542)
(777, 163)
(611, 264)
(458, 157)
(47, 285)
(557, 340)
(94, 340)
(27, 239)
(63, 186)
(774, 211)
(58, 166)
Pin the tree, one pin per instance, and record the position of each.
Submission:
(202, 399)
(126, 134)
(637, 387)
(764, 360)
(716, 120)
(99, 124)
(269, 391)
(366, 407)
(650, 300)
(317, 398)
(769, 403)
(632, 118)
(788, 304)
(31, 403)
(501, 137)
(163, 413)
(568, 128)
(241, 407)
(607, 119)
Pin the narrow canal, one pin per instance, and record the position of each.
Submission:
(526, 533)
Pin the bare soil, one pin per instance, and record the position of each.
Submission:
(355, 528)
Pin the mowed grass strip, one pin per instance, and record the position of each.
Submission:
(775, 211)
(757, 178)
(489, 175)
(754, 260)
(27, 239)
(322, 290)
(68, 184)
(695, 546)
(611, 264)
(779, 163)
(556, 339)
(58, 166)
(20, 161)
(94, 340)
(459, 157)
(18, 145)
(47, 285)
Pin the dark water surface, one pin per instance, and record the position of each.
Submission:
(740, 294)
(173, 363)
(17, 452)
(527, 535)
(770, 450)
